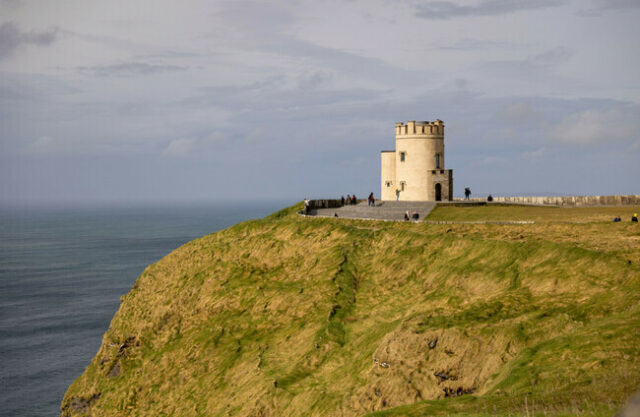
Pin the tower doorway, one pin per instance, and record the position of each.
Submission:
(438, 192)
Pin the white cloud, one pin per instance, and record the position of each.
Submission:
(450, 9)
(214, 137)
(606, 5)
(594, 126)
(179, 147)
(129, 69)
(43, 144)
(519, 112)
(535, 154)
(489, 160)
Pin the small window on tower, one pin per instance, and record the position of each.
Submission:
(402, 184)
(402, 155)
(388, 183)
(438, 160)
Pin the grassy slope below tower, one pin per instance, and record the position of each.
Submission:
(296, 316)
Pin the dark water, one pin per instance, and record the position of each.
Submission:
(62, 272)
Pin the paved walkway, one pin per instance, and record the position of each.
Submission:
(384, 210)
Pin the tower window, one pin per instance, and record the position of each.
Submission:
(402, 184)
(437, 160)
(388, 183)
(402, 156)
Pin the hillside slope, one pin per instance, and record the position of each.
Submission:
(291, 316)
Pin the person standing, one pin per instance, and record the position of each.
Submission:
(342, 201)
(467, 193)
(634, 218)
(397, 194)
(372, 200)
(348, 199)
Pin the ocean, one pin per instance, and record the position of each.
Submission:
(62, 272)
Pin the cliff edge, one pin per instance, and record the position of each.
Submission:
(292, 316)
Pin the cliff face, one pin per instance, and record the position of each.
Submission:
(288, 316)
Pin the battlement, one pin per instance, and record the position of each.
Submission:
(422, 128)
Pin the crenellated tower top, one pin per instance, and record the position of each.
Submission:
(424, 128)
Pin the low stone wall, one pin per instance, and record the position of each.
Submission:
(576, 201)
(318, 204)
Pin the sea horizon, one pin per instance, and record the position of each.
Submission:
(63, 269)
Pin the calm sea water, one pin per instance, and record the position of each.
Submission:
(62, 272)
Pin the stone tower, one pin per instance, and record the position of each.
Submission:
(415, 170)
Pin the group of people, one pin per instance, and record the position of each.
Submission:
(415, 216)
(634, 218)
(351, 199)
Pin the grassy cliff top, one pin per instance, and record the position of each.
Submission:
(540, 214)
(292, 316)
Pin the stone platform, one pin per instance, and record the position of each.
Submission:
(383, 210)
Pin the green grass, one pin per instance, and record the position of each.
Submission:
(532, 213)
(288, 316)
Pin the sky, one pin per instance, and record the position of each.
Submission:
(221, 100)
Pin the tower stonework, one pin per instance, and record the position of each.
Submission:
(415, 170)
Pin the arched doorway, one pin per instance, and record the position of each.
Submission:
(438, 192)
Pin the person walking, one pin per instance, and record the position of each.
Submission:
(372, 200)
